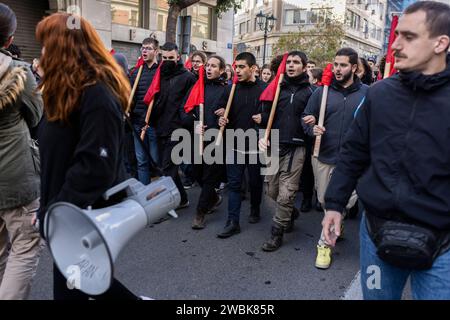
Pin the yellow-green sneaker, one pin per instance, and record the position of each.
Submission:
(323, 259)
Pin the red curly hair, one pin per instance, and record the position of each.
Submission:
(75, 58)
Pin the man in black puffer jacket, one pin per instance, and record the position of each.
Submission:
(176, 81)
(149, 51)
(397, 155)
(283, 185)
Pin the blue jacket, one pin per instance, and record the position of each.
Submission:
(341, 106)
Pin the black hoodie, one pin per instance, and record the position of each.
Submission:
(397, 151)
(165, 114)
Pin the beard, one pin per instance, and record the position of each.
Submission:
(345, 78)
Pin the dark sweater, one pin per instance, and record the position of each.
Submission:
(82, 159)
(245, 104)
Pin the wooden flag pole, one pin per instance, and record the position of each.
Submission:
(147, 119)
(323, 107)
(274, 107)
(201, 111)
(133, 91)
(225, 115)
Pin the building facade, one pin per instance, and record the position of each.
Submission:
(123, 24)
(363, 20)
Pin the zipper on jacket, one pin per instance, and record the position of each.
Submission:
(408, 133)
(292, 97)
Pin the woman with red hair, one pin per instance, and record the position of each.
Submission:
(81, 137)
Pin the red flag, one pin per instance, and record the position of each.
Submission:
(197, 95)
(155, 87)
(327, 75)
(140, 62)
(235, 76)
(188, 64)
(269, 93)
(390, 54)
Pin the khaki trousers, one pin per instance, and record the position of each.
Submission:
(283, 185)
(20, 246)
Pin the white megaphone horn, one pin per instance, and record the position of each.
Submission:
(85, 243)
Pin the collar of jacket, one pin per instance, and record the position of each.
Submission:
(248, 83)
(12, 81)
(300, 80)
(179, 69)
(417, 80)
(216, 82)
(355, 86)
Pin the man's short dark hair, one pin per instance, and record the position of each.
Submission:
(437, 16)
(300, 54)
(169, 46)
(8, 23)
(350, 53)
(312, 62)
(248, 57)
(151, 41)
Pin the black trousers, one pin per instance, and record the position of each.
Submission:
(208, 177)
(165, 146)
(307, 176)
(117, 291)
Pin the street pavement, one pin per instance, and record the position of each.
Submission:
(171, 261)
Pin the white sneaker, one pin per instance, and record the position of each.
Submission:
(145, 298)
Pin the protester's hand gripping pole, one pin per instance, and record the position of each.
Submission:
(326, 80)
(323, 107)
(225, 115)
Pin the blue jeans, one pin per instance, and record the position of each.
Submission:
(143, 162)
(235, 174)
(432, 284)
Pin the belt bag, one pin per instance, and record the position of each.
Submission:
(406, 245)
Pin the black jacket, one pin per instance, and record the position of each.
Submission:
(294, 96)
(165, 114)
(397, 151)
(81, 159)
(214, 90)
(341, 106)
(245, 104)
(139, 108)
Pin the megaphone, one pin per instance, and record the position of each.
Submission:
(85, 243)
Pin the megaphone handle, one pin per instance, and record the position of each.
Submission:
(120, 187)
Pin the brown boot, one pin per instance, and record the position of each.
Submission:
(199, 220)
(275, 240)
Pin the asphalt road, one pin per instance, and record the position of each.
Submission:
(172, 261)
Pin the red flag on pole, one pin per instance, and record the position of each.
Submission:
(235, 76)
(327, 75)
(389, 69)
(139, 63)
(269, 93)
(197, 95)
(188, 64)
(155, 87)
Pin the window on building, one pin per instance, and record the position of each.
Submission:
(373, 31)
(353, 20)
(302, 16)
(162, 9)
(242, 27)
(127, 12)
(202, 21)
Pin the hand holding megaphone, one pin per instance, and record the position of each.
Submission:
(85, 243)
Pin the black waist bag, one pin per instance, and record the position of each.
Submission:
(405, 245)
